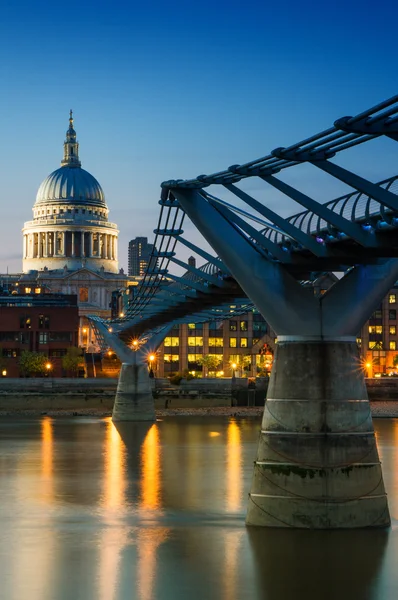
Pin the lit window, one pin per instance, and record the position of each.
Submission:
(392, 299)
(168, 358)
(243, 342)
(393, 345)
(243, 325)
(233, 326)
(393, 330)
(195, 341)
(171, 341)
(233, 342)
(376, 329)
(216, 342)
(375, 345)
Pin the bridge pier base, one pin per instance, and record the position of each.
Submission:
(317, 464)
(134, 400)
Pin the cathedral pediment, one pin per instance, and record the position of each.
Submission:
(84, 274)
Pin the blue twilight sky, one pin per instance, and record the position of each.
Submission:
(173, 89)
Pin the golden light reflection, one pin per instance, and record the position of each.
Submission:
(233, 541)
(150, 469)
(234, 467)
(115, 534)
(115, 464)
(47, 457)
(214, 434)
(148, 541)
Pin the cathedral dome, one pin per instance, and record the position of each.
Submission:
(71, 184)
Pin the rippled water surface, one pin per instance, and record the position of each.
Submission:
(93, 511)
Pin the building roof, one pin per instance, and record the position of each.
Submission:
(71, 183)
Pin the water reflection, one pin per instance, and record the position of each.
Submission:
(114, 536)
(150, 470)
(114, 468)
(47, 460)
(318, 564)
(234, 467)
(232, 556)
(95, 511)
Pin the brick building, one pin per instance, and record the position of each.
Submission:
(45, 323)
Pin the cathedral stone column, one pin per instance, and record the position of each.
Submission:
(72, 253)
(83, 249)
(45, 244)
(91, 249)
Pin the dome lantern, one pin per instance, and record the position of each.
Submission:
(71, 146)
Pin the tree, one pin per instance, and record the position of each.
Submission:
(32, 363)
(211, 362)
(73, 360)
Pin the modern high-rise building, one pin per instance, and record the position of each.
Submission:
(139, 255)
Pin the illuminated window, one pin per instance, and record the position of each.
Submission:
(216, 342)
(393, 345)
(171, 358)
(243, 342)
(375, 345)
(392, 299)
(233, 342)
(37, 290)
(171, 341)
(195, 341)
(375, 329)
(191, 326)
(233, 326)
(393, 330)
(28, 290)
(243, 326)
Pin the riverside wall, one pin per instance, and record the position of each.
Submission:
(74, 394)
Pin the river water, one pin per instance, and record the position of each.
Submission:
(93, 511)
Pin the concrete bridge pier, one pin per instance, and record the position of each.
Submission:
(134, 400)
(317, 462)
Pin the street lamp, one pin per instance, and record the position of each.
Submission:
(234, 365)
(4, 373)
(48, 368)
(135, 344)
(151, 361)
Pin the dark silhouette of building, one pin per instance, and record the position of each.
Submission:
(139, 256)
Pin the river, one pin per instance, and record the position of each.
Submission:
(93, 511)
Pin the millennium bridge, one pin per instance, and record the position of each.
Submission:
(317, 464)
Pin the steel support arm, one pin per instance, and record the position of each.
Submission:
(211, 259)
(287, 306)
(302, 238)
(351, 229)
(200, 274)
(262, 240)
(359, 183)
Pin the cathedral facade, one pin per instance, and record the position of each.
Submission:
(70, 246)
